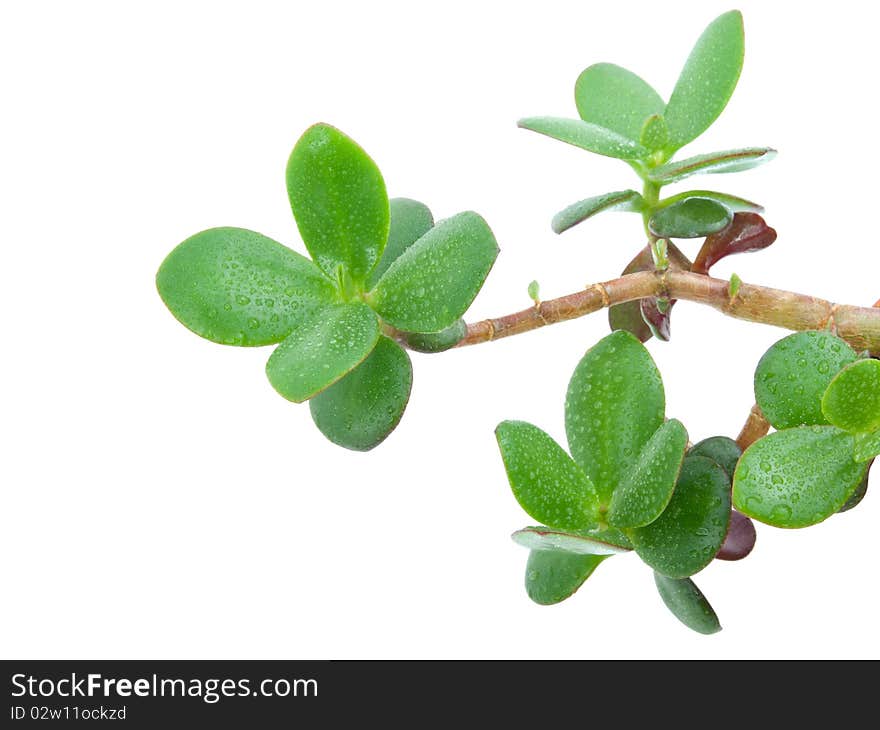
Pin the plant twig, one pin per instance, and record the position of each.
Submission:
(755, 427)
(860, 326)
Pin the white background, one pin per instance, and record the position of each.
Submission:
(160, 500)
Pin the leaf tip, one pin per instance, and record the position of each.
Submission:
(558, 225)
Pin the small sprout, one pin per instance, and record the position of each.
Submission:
(535, 293)
(660, 252)
(733, 286)
(655, 136)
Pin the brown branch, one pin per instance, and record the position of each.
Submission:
(755, 427)
(860, 326)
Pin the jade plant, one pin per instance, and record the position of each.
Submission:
(382, 278)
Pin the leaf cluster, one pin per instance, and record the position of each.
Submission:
(824, 401)
(379, 270)
(622, 116)
(628, 483)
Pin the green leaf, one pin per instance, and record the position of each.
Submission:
(432, 342)
(647, 488)
(852, 400)
(655, 134)
(794, 373)
(731, 202)
(687, 603)
(612, 97)
(797, 477)
(625, 200)
(364, 407)
(590, 137)
(237, 287)
(552, 576)
(583, 542)
(722, 450)
(614, 404)
(690, 218)
(534, 291)
(707, 80)
(435, 280)
(338, 198)
(322, 349)
(858, 495)
(712, 163)
(410, 220)
(548, 485)
(867, 446)
(691, 530)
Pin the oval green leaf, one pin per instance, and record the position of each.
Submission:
(687, 603)
(693, 217)
(548, 485)
(625, 200)
(794, 373)
(867, 446)
(711, 164)
(410, 220)
(584, 542)
(723, 450)
(733, 203)
(237, 287)
(431, 284)
(322, 349)
(552, 575)
(852, 400)
(616, 99)
(691, 530)
(655, 133)
(797, 477)
(364, 407)
(614, 404)
(647, 487)
(590, 137)
(338, 198)
(707, 80)
(432, 342)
